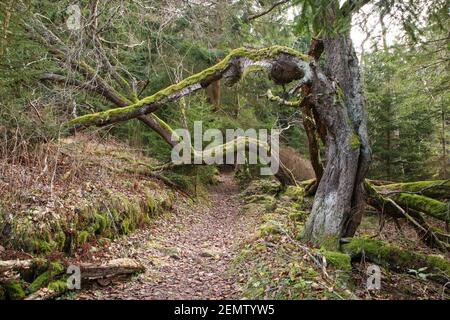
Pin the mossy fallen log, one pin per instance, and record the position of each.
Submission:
(430, 235)
(50, 282)
(54, 290)
(435, 208)
(116, 267)
(18, 265)
(231, 69)
(398, 259)
(436, 189)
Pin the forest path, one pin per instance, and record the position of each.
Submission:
(188, 254)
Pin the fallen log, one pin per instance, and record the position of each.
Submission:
(431, 207)
(16, 265)
(437, 189)
(45, 294)
(397, 259)
(429, 235)
(53, 281)
(114, 267)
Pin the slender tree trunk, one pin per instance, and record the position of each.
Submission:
(444, 142)
(388, 107)
(313, 143)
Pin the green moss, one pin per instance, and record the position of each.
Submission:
(355, 142)
(167, 202)
(328, 242)
(262, 186)
(58, 286)
(432, 207)
(54, 269)
(60, 239)
(255, 55)
(102, 222)
(126, 226)
(296, 193)
(342, 266)
(41, 281)
(150, 202)
(260, 198)
(394, 257)
(270, 228)
(297, 215)
(39, 265)
(82, 237)
(338, 260)
(43, 246)
(439, 189)
(14, 291)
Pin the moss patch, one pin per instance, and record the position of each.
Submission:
(55, 269)
(14, 291)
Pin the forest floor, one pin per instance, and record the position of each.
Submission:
(222, 249)
(188, 253)
(228, 243)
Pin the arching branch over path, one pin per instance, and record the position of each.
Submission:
(333, 208)
(283, 64)
(337, 106)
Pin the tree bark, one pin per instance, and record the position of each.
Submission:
(339, 201)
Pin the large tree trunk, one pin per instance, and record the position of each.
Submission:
(339, 201)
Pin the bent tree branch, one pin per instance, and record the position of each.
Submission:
(339, 190)
(283, 64)
(333, 209)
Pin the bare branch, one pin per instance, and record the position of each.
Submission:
(267, 11)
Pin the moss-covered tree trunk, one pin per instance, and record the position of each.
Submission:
(339, 200)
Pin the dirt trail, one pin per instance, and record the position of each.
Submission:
(188, 254)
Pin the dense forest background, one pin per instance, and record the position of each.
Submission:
(160, 43)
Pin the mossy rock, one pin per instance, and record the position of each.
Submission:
(262, 187)
(2, 293)
(341, 263)
(121, 215)
(297, 215)
(270, 228)
(338, 260)
(295, 193)
(262, 199)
